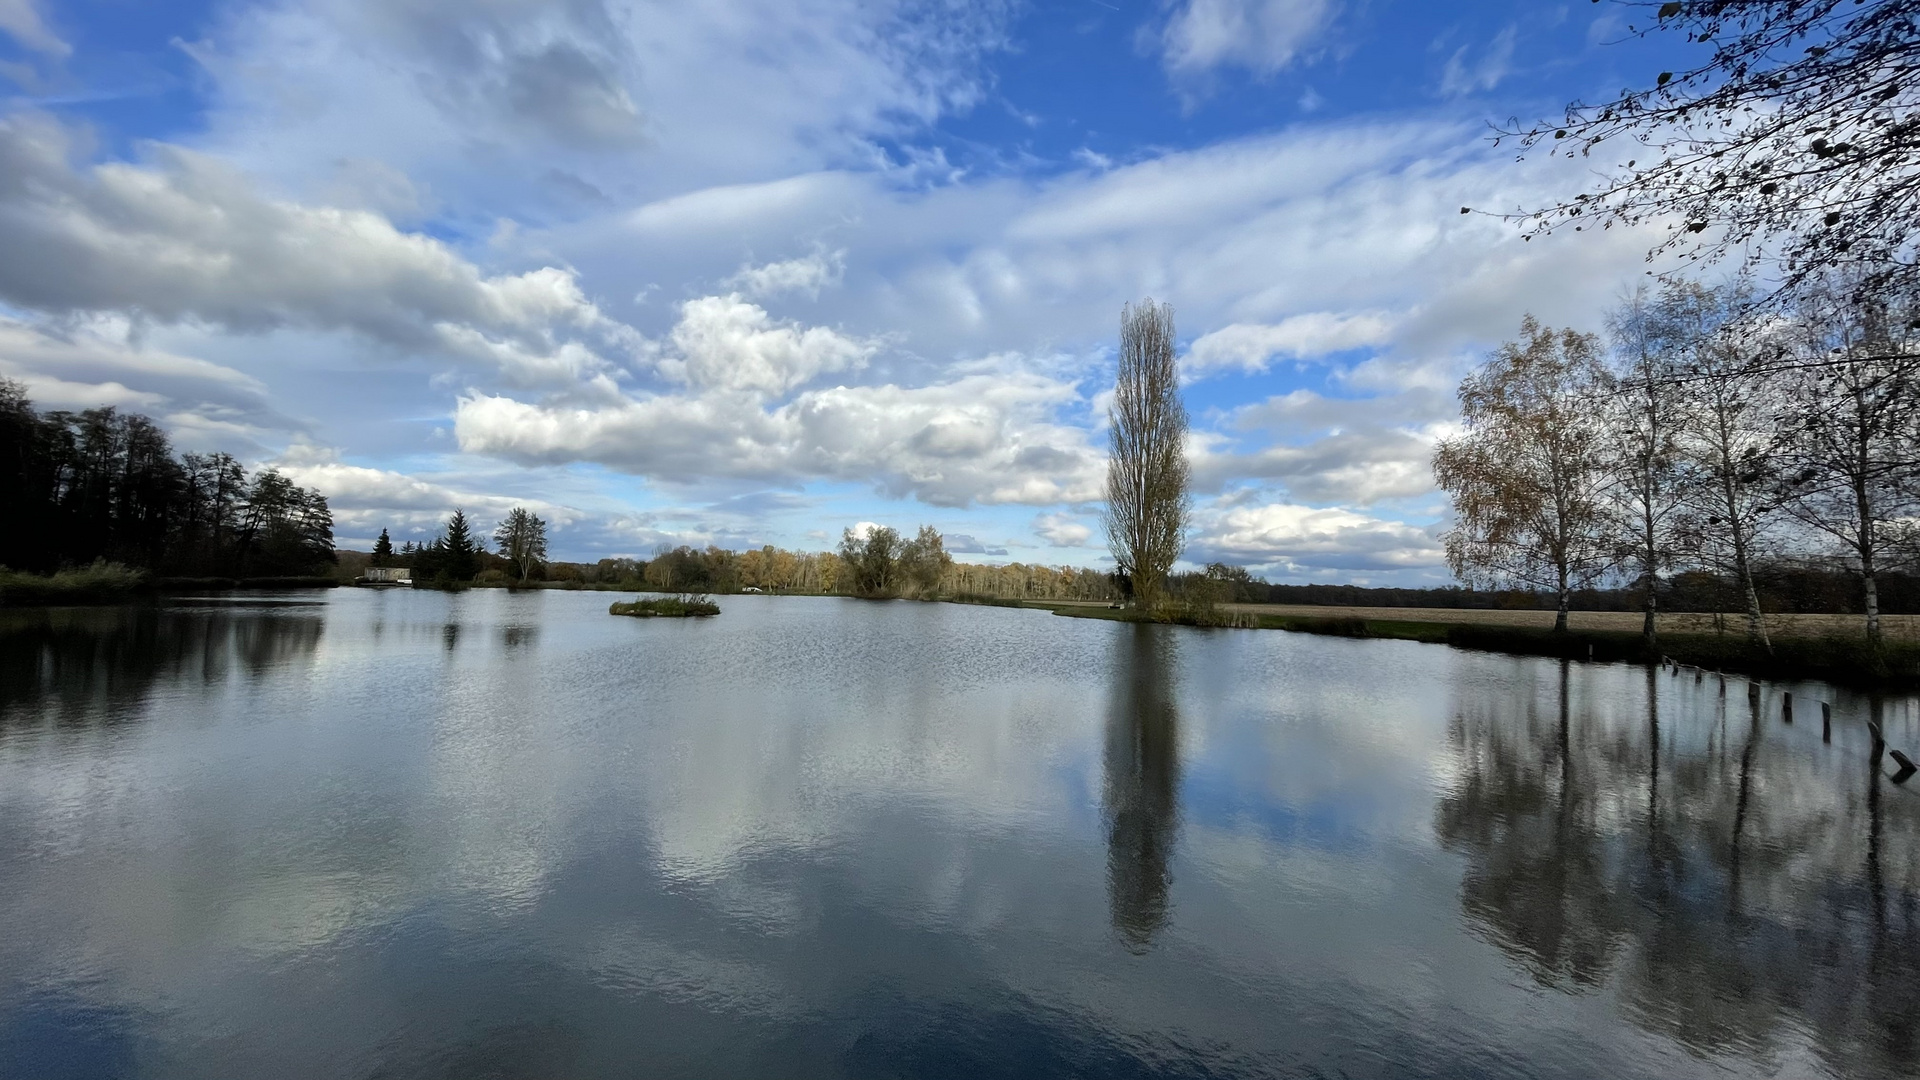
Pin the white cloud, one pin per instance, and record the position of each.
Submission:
(1347, 451)
(90, 363)
(808, 274)
(1461, 77)
(634, 99)
(1263, 36)
(1292, 538)
(23, 23)
(986, 437)
(365, 500)
(726, 343)
(189, 239)
(1062, 530)
(1251, 347)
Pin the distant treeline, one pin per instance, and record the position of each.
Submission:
(879, 563)
(775, 570)
(105, 485)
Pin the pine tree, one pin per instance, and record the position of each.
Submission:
(459, 558)
(383, 549)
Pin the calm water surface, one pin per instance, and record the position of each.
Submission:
(400, 834)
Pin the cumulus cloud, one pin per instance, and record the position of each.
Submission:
(1290, 538)
(808, 274)
(1263, 36)
(1062, 530)
(986, 437)
(1350, 451)
(189, 239)
(365, 500)
(1251, 347)
(727, 343)
(967, 544)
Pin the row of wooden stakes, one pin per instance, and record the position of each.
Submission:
(1906, 764)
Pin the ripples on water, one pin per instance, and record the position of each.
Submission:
(398, 834)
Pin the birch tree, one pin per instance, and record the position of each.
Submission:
(1789, 138)
(1641, 445)
(1850, 414)
(1526, 473)
(1729, 444)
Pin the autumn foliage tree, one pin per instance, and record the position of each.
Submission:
(1525, 474)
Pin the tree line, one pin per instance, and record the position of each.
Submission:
(81, 487)
(1704, 434)
(876, 563)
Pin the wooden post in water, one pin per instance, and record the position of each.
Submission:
(1826, 722)
(1907, 767)
(1786, 707)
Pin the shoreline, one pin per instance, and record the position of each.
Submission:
(1837, 658)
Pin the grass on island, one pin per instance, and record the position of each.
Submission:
(667, 607)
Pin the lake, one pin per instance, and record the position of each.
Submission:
(410, 834)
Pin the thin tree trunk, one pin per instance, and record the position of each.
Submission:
(1560, 616)
(1870, 585)
(1647, 631)
(1756, 628)
(1873, 605)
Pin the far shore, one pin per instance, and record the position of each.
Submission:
(1895, 627)
(1832, 648)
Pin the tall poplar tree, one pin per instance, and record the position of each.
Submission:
(1147, 498)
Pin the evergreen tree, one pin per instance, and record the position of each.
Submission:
(383, 550)
(459, 555)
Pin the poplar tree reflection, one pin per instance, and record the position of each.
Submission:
(1736, 893)
(1142, 778)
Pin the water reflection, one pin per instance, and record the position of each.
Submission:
(1142, 776)
(1730, 890)
(824, 839)
(98, 663)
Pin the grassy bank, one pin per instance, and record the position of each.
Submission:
(101, 583)
(112, 583)
(1837, 658)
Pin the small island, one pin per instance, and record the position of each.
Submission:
(667, 607)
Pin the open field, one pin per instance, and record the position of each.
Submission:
(1906, 627)
(1901, 627)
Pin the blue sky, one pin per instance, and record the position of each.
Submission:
(756, 270)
